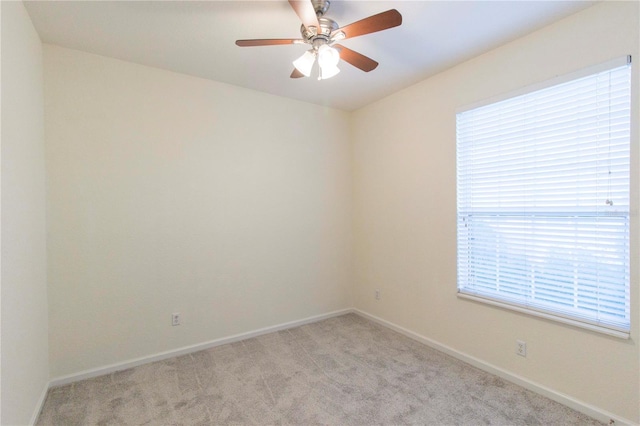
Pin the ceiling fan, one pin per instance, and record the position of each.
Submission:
(322, 34)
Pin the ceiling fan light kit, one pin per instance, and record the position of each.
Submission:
(322, 33)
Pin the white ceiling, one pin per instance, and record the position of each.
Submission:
(197, 38)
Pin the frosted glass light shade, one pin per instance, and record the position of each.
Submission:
(328, 56)
(328, 59)
(305, 62)
(328, 72)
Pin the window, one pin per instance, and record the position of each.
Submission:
(543, 201)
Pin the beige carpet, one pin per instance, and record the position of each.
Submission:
(341, 371)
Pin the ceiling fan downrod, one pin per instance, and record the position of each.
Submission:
(321, 6)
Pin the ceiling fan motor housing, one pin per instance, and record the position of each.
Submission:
(327, 26)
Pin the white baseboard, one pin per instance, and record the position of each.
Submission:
(567, 400)
(40, 404)
(100, 371)
(590, 410)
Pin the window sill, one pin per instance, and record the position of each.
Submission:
(539, 314)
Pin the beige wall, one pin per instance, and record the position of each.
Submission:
(23, 358)
(169, 193)
(405, 207)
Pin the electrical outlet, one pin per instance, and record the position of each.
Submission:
(175, 319)
(377, 294)
(521, 348)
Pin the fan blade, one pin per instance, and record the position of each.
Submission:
(267, 42)
(356, 59)
(296, 73)
(381, 21)
(306, 13)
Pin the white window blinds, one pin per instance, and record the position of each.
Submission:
(543, 200)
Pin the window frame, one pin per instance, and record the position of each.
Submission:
(521, 306)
